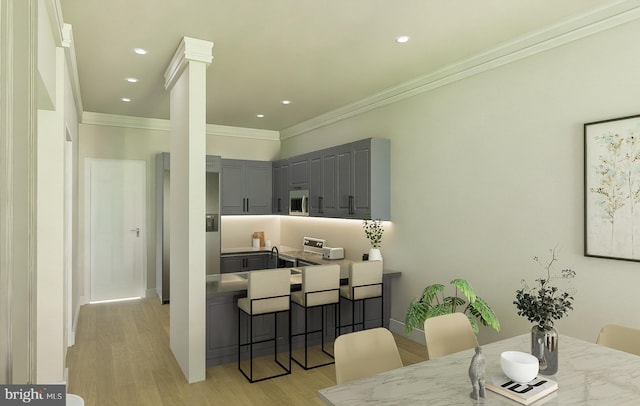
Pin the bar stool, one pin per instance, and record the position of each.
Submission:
(320, 288)
(365, 283)
(267, 294)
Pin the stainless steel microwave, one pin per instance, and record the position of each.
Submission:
(299, 203)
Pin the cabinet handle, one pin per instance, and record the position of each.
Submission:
(247, 205)
(351, 210)
(321, 204)
(279, 208)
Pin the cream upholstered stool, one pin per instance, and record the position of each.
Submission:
(365, 283)
(320, 288)
(620, 338)
(365, 353)
(268, 294)
(447, 334)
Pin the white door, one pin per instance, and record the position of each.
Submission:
(117, 248)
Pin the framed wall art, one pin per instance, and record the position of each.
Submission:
(612, 188)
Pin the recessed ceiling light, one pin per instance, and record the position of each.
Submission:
(131, 80)
(125, 99)
(402, 39)
(286, 102)
(260, 115)
(140, 51)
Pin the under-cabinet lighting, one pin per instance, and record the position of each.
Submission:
(132, 80)
(402, 39)
(140, 51)
(125, 99)
(286, 102)
(260, 115)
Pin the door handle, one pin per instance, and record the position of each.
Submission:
(137, 230)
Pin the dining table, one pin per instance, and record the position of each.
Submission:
(588, 374)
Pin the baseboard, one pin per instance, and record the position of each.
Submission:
(74, 326)
(398, 327)
(151, 293)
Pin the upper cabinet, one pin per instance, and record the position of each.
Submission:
(351, 180)
(246, 187)
(299, 172)
(280, 203)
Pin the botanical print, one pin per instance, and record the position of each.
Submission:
(612, 188)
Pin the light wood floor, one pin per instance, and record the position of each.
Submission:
(122, 357)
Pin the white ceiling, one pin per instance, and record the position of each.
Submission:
(320, 54)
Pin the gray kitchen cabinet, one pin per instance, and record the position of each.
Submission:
(244, 262)
(299, 172)
(246, 187)
(280, 203)
(351, 181)
(322, 183)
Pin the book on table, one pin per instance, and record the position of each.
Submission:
(525, 393)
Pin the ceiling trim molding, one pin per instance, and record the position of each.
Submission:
(189, 50)
(72, 66)
(54, 12)
(551, 37)
(242, 132)
(165, 125)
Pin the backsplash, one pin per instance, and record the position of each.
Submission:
(236, 231)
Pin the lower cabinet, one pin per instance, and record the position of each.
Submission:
(244, 262)
(222, 330)
(222, 324)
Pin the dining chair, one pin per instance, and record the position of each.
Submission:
(447, 334)
(320, 288)
(621, 338)
(365, 353)
(268, 294)
(365, 283)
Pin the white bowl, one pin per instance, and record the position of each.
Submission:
(519, 366)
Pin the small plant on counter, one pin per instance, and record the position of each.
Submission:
(373, 229)
(434, 303)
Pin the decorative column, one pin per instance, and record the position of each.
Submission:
(186, 79)
(18, 143)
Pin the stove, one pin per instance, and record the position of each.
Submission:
(313, 245)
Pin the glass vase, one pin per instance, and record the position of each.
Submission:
(544, 345)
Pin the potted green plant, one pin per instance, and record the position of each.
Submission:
(433, 303)
(373, 230)
(542, 304)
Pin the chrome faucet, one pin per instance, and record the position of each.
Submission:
(277, 253)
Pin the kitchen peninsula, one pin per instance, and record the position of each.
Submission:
(223, 291)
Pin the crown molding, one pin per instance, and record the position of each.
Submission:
(189, 50)
(165, 125)
(54, 12)
(569, 30)
(72, 66)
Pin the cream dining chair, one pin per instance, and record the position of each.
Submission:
(268, 294)
(365, 353)
(320, 288)
(365, 283)
(447, 334)
(621, 338)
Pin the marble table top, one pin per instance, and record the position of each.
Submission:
(588, 374)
